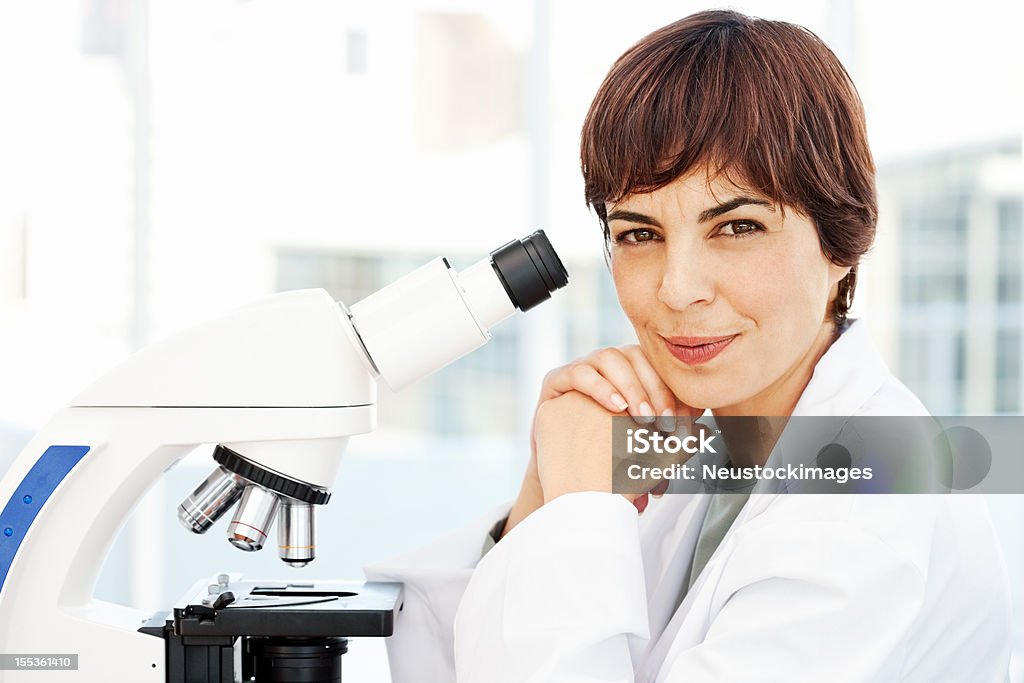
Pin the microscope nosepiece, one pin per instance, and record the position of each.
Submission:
(211, 499)
(253, 518)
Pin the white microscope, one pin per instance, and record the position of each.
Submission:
(279, 386)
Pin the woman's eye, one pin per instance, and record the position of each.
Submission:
(637, 236)
(740, 228)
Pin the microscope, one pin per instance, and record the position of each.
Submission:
(278, 387)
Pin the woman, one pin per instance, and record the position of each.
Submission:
(727, 159)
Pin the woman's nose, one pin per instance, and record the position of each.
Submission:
(688, 279)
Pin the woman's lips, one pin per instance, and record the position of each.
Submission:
(697, 350)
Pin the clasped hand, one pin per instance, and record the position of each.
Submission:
(571, 437)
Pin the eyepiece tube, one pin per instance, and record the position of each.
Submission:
(530, 270)
(434, 316)
(296, 533)
(211, 499)
(253, 518)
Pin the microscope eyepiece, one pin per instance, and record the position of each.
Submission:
(529, 270)
(452, 312)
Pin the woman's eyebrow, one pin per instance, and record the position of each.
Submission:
(705, 215)
(632, 217)
(733, 203)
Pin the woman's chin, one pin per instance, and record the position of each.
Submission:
(709, 395)
(701, 401)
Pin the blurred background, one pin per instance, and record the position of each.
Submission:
(162, 162)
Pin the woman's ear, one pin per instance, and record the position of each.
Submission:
(837, 273)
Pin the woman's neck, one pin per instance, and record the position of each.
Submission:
(777, 400)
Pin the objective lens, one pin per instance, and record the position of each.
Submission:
(253, 518)
(296, 533)
(210, 500)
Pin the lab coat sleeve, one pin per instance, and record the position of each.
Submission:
(421, 650)
(840, 613)
(559, 599)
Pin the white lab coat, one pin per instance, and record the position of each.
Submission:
(802, 587)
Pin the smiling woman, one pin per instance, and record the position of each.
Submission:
(729, 165)
(727, 160)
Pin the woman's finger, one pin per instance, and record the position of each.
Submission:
(615, 367)
(640, 503)
(659, 490)
(683, 410)
(662, 398)
(585, 379)
(556, 383)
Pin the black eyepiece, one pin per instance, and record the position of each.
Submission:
(529, 269)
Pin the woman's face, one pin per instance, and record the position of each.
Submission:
(701, 260)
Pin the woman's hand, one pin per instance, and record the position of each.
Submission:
(574, 446)
(620, 380)
(623, 381)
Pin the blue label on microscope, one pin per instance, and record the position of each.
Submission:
(30, 497)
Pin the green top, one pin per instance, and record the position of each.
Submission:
(493, 536)
(718, 518)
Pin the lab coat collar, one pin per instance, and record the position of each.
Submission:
(845, 378)
(849, 373)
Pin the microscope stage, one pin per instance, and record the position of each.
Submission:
(290, 608)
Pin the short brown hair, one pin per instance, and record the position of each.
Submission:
(765, 100)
